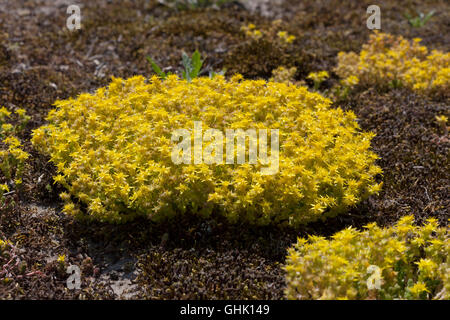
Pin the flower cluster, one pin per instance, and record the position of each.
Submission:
(273, 32)
(395, 61)
(6, 253)
(12, 156)
(318, 78)
(4, 245)
(112, 150)
(400, 262)
(251, 31)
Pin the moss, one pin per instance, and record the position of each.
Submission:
(258, 58)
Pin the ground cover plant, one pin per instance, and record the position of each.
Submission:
(391, 90)
(126, 165)
(394, 61)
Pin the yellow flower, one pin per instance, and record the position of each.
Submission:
(59, 179)
(418, 288)
(4, 113)
(257, 34)
(20, 112)
(7, 127)
(4, 244)
(291, 39)
(283, 75)
(441, 119)
(4, 188)
(19, 154)
(426, 266)
(13, 142)
(285, 37)
(375, 189)
(318, 76)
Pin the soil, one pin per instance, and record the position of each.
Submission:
(41, 61)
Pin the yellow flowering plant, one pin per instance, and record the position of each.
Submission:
(112, 150)
(284, 75)
(6, 257)
(286, 37)
(388, 60)
(404, 261)
(61, 262)
(341, 90)
(12, 156)
(12, 264)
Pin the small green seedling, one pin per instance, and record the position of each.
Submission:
(163, 75)
(420, 20)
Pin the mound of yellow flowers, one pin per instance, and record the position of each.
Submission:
(388, 60)
(112, 150)
(401, 262)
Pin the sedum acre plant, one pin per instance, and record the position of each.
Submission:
(112, 150)
(401, 262)
(389, 60)
(12, 156)
(318, 78)
(274, 32)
